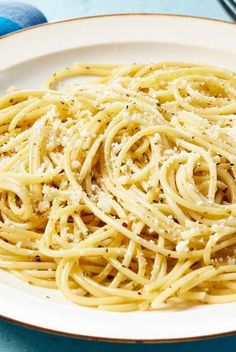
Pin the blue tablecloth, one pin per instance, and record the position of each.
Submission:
(17, 339)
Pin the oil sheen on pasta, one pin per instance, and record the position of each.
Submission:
(120, 191)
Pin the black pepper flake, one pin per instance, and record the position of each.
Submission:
(139, 293)
(11, 100)
(231, 164)
(37, 258)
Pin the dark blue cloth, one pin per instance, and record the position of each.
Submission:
(16, 15)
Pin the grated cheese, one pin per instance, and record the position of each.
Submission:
(182, 246)
(232, 132)
(75, 164)
(214, 131)
(104, 202)
(19, 244)
(123, 179)
(199, 202)
(43, 206)
(115, 147)
(75, 196)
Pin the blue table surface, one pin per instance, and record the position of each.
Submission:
(17, 339)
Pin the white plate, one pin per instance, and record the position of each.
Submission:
(26, 60)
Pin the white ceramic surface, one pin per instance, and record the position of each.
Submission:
(26, 60)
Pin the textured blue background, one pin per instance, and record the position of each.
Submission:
(59, 9)
(17, 339)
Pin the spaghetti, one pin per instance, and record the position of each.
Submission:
(121, 191)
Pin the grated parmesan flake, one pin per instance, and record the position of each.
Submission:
(75, 164)
(104, 202)
(75, 196)
(182, 246)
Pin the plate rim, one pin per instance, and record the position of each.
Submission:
(102, 338)
(75, 19)
(114, 340)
